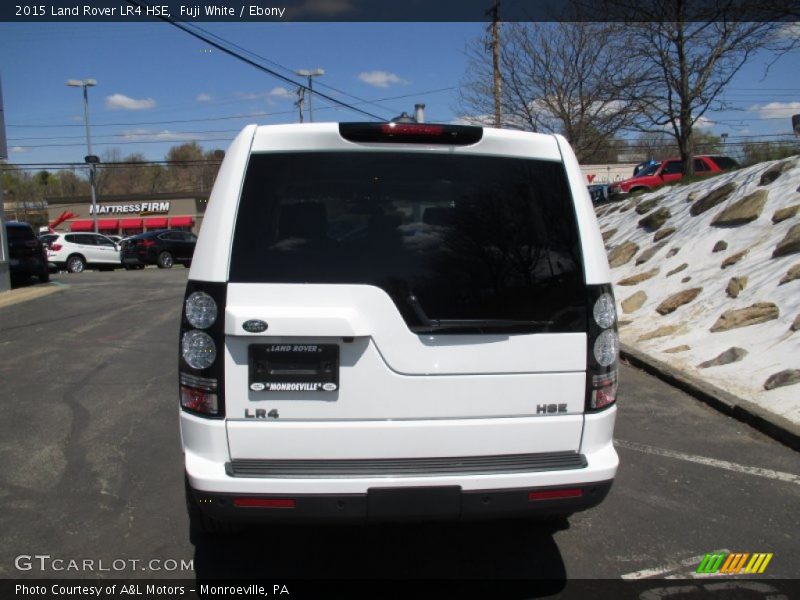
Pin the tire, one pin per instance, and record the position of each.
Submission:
(128, 267)
(76, 264)
(202, 523)
(165, 260)
(44, 276)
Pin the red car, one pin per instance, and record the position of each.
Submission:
(668, 171)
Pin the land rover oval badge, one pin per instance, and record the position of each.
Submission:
(254, 326)
(329, 387)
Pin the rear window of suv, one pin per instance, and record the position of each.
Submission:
(450, 237)
(17, 233)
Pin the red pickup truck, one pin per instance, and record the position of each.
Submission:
(668, 171)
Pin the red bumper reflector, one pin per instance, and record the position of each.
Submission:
(555, 494)
(263, 502)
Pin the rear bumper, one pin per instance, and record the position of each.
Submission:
(402, 504)
(345, 489)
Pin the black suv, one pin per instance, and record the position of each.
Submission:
(27, 255)
(163, 248)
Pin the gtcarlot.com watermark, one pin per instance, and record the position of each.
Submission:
(47, 563)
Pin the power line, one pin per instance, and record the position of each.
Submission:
(205, 119)
(255, 64)
(288, 70)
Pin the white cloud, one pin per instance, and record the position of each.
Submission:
(704, 123)
(381, 79)
(248, 95)
(774, 110)
(121, 101)
(282, 92)
(19, 149)
(204, 98)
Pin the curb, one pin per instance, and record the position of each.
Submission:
(775, 426)
(30, 293)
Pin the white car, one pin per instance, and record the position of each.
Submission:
(397, 321)
(77, 251)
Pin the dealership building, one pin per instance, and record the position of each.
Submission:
(128, 215)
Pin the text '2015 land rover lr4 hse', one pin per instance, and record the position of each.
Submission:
(391, 321)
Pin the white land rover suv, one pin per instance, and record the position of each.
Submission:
(397, 321)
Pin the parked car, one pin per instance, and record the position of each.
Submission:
(77, 251)
(115, 238)
(333, 365)
(163, 248)
(26, 254)
(669, 171)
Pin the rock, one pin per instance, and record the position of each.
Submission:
(736, 285)
(712, 198)
(796, 324)
(782, 378)
(785, 213)
(645, 207)
(629, 205)
(621, 254)
(743, 211)
(720, 246)
(676, 349)
(676, 300)
(608, 234)
(760, 312)
(692, 196)
(634, 302)
(614, 208)
(634, 279)
(789, 244)
(774, 172)
(678, 269)
(686, 280)
(673, 251)
(733, 259)
(623, 323)
(661, 234)
(730, 355)
(655, 219)
(660, 332)
(649, 253)
(792, 274)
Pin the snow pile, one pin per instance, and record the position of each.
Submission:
(707, 279)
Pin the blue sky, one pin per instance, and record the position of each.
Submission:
(157, 84)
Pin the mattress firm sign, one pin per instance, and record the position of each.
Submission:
(141, 208)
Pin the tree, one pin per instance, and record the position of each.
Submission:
(556, 78)
(691, 51)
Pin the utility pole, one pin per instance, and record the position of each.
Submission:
(5, 277)
(310, 74)
(301, 94)
(495, 12)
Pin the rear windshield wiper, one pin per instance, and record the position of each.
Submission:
(480, 325)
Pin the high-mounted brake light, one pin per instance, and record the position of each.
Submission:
(408, 129)
(411, 133)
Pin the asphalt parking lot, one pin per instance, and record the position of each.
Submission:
(92, 469)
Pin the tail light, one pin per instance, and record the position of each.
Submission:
(602, 348)
(201, 376)
(55, 247)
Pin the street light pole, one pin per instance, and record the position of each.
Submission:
(310, 74)
(90, 158)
